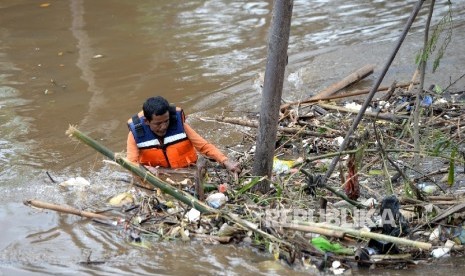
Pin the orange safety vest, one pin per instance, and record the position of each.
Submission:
(174, 150)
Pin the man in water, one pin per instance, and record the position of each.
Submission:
(159, 136)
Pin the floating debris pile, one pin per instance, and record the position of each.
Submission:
(377, 209)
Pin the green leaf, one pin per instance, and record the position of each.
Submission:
(279, 190)
(249, 186)
(440, 146)
(437, 89)
(442, 30)
(375, 172)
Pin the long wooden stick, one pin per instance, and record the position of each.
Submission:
(65, 209)
(350, 79)
(359, 92)
(355, 93)
(366, 234)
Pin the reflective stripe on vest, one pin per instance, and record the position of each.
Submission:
(166, 140)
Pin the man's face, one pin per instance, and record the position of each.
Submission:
(159, 123)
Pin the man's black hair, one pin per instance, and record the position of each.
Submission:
(155, 106)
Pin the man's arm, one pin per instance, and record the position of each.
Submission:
(203, 146)
(209, 150)
(132, 152)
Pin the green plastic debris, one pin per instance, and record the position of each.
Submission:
(324, 245)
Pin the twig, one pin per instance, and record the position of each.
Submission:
(401, 172)
(416, 113)
(49, 176)
(454, 82)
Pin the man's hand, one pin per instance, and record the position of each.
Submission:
(232, 166)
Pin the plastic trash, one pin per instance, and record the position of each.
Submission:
(75, 182)
(193, 215)
(442, 233)
(216, 200)
(440, 102)
(440, 252)
(371, 202)
(121, 199)
(427, 188)
(436, 234)
(443, 251)
(336, 268)
(135, 236)
(458, 235)
(222, 188)
(426, 101)
(282, 166)
(338, 140)
(353, 106)
(324, 245)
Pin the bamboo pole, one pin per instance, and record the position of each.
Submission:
(366, 234)
(316, 230)
(65, 209)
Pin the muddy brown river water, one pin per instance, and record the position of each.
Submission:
(92, 64)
